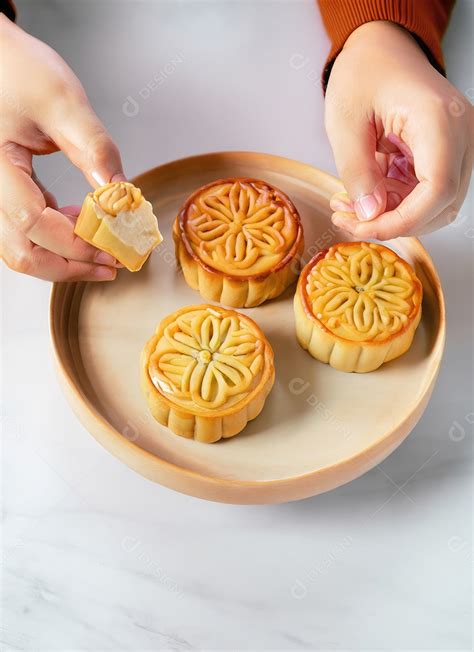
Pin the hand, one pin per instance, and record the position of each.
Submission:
(45, 109)
(401, 136)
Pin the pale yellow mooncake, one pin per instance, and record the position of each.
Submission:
(357, 305)
(206, 372)
(239, 242)
(116, 218)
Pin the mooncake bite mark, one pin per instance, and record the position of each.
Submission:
(239, 241)
(116, 218)
(206, 372)
(357, 305)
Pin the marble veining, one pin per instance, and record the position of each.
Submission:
(97, 558)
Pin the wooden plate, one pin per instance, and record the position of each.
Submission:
(320, 427)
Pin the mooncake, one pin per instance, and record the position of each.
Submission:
(206, 372)
(239, 242)
(357, 305)
(116, 218)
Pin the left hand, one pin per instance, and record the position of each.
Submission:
(43, 109)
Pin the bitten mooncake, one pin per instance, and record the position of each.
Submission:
(357, 305)
(119, 220)
(239, 242)
(206, 372)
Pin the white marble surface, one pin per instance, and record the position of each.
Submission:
(96, 557)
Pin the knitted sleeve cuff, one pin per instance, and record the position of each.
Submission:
(425, 19)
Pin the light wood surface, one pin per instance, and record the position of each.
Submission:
(320, 428)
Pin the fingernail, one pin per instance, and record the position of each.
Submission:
(393, 200)
(105, 273)
(98, 178)
(337, 205)
(119, 177)
(406, 151)
(341, 202)
(400, 170)
(101, 180)
(367, 207)
(104, 258)
(72, 210)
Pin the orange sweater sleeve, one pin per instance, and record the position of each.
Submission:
(425, 19)
(7, 7)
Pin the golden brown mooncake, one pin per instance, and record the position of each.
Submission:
(239, 241)
(116, 218)
(357, 305)
(206, 372)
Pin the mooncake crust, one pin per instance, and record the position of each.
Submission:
(358, 354)
(230, 343)
(234, 287)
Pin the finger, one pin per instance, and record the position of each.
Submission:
(400, 221)
(55, 232)
(341, 202)
(383, 161)
(444, 219)
(403, 220)
(353, 141)
(401, 146)
(25, 206)
(343, 209)
(21, 158)
(72, 213)
(450, 214)
(438, 155)
(79, 133)
(416, 210)
(349, 223)
(49, 198)
(438, 158)
(23, 256)
(72, 210)
(431, 199)
(402, 169)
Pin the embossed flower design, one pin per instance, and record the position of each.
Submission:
(237, 223)
(361, 294)
(207, 357)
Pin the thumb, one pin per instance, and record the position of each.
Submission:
(354, 147)
(85, 141)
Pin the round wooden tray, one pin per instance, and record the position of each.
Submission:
(320, 427)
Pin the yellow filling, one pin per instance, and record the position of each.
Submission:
(240, 228)
(361, 292)
(114, 198)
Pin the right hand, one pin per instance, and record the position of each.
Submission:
(45, 109)
(401, 136)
